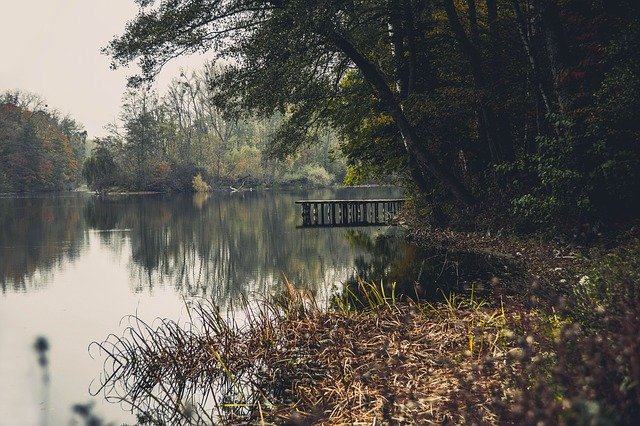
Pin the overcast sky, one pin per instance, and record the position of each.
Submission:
(52, 48)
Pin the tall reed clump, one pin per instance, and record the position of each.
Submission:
(286, 359)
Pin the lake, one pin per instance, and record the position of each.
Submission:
(73, 266)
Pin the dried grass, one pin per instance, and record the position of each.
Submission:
(290, 361)
(460, 361)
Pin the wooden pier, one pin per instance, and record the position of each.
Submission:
(334, 213)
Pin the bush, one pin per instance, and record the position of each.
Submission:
(245, 162)
(317, 175)
(611, 287)
(309, 175)
(100, 170)
(199, 185)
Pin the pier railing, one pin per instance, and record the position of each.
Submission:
(334, 213)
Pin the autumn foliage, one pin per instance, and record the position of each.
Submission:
(39, 151)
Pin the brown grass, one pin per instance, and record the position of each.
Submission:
(396, 363)
(460, 361)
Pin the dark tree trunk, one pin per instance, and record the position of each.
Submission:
(500, 146)
(492, 17)
(414, 147)
(557, 50)
(473, 21)
(398, 50)
(411, 47)
(521, 22)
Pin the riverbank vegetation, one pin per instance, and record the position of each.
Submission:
(40, 150)
(500, 359)
(478, 329)
(160, 143)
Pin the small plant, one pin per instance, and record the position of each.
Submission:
(199, 185)
(361, 295)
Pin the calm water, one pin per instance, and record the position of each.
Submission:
(71, 267)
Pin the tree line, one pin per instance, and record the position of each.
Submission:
(40, 150)
(525, 110)
(161, 142)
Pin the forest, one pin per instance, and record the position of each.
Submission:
(525, 111)
(40, 150)
(492, 111)
(159, 143)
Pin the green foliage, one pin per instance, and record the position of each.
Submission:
(244, 162)
(307, 175)
(527, 110)
(555, 175)
(163, 141)
(611, 287)
(99, 169)
(317, 175)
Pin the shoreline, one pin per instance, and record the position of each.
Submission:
(212, 191)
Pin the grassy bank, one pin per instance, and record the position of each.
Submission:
(556, 343)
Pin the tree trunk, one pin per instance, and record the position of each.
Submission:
(412, 144)
(473, 21)
(500, 146)
(492, 17)
(557, 49)
(533, 62)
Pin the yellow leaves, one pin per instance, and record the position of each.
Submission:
(377, 121)
(351, 79)
(199, 185)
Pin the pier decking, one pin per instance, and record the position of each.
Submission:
(334, 213)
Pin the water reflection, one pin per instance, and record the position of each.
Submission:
(426, 273)
(36, 235)
(220, 245)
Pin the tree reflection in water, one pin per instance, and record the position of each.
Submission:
(36, 235)
(428, 274)
(223, 245)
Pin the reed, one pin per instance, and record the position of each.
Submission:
(288, 359)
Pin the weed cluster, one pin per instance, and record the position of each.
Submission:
(395, 362)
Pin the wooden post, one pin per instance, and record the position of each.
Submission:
(365, 218)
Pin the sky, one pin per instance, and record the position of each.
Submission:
(52, 48)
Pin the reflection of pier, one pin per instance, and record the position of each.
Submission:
(330, 213)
